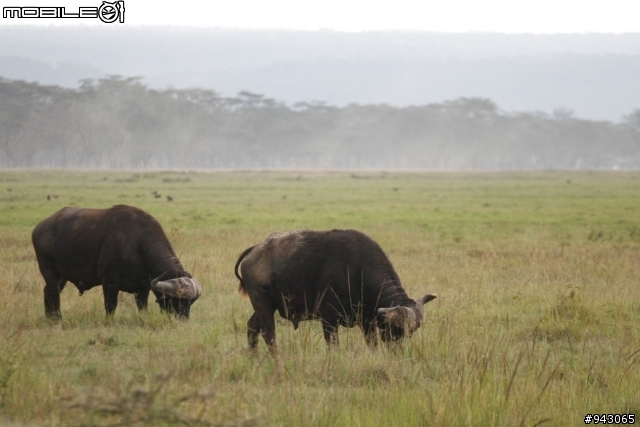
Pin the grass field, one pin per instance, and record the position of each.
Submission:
(537, 320)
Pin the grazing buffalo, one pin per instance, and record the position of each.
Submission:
(341, 277)
(122, 248)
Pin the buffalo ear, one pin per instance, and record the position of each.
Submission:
(425, 299)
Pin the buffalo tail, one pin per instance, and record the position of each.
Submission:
(241, 288)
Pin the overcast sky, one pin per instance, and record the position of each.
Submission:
(504, 16)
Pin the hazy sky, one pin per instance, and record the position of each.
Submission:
(506, 16)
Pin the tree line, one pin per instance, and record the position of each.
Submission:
(119, 122)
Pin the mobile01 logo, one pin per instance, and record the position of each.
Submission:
(108, 12)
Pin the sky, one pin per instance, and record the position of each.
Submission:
(458, 16)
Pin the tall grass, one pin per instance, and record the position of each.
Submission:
(537, 320)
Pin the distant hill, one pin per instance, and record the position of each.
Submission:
(64, 74)
(593, 75)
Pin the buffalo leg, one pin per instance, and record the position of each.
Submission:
(253, 329)
(52, 297)
(330, 330)
(268, 331)
(264, 314)
(110, 298)
(370, 331)
(142, 299)
(54, 284)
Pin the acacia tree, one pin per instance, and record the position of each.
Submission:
(120, 122)
(18, 103)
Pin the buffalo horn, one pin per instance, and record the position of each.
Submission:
(425, 299)
(182, 287)
(399, 316)
(157, 279)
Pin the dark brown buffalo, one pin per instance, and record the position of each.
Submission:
(122, 248)
(341, 277)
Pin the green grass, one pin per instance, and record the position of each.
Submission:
(537, 320)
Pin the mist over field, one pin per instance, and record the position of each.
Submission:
(158, 97)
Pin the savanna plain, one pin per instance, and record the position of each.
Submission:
(537, 320)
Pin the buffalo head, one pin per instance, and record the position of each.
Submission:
(177, 295)
(396, 322)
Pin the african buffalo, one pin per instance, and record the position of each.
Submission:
(121, 248)
(341, 277)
